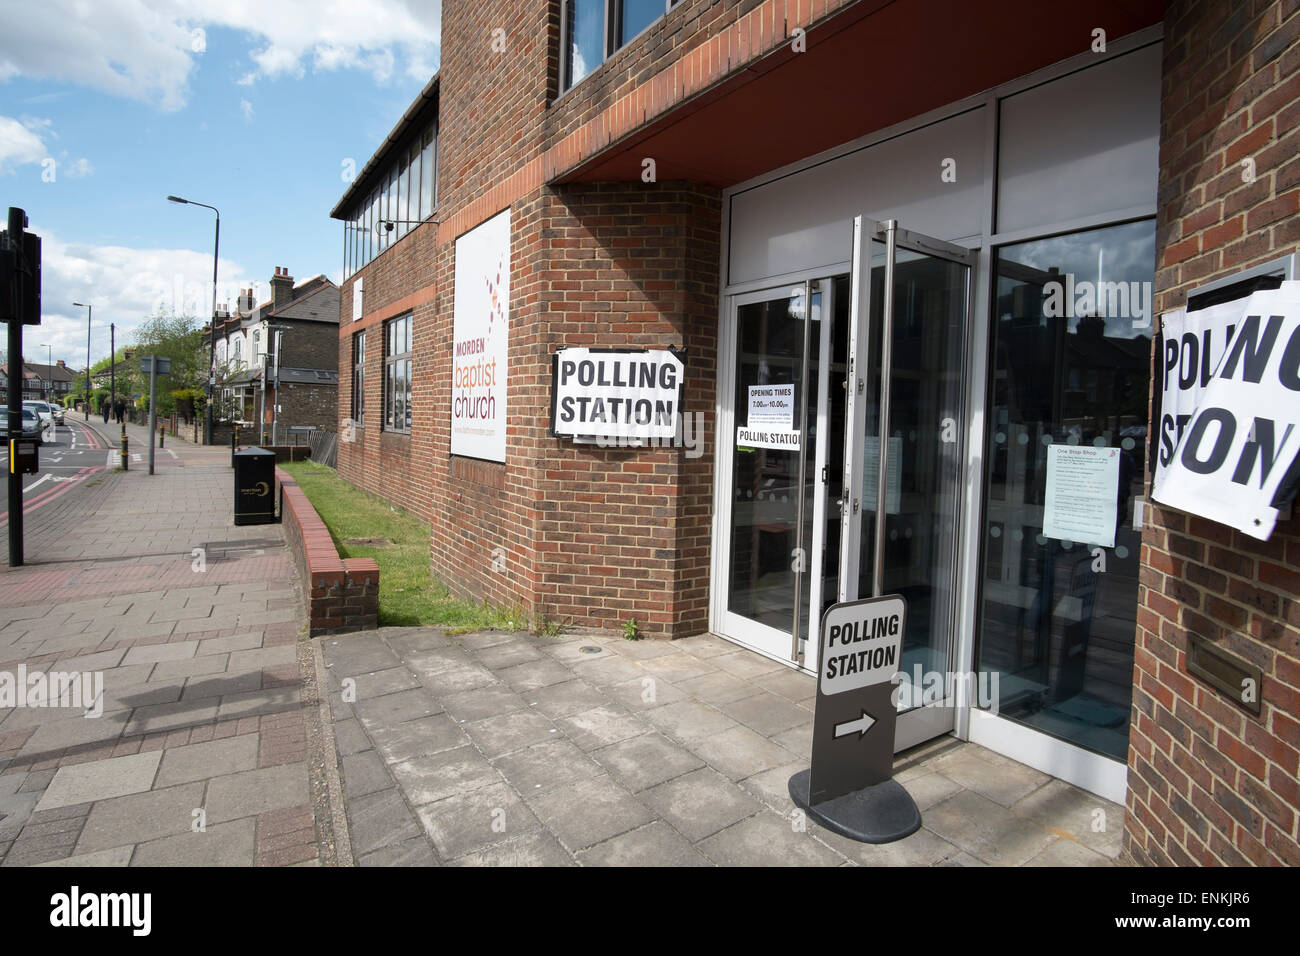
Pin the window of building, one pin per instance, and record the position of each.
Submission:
(406, 195)
(359, 379)
(1058, 630)
(397, 374)
(257, 342)
(595, 29)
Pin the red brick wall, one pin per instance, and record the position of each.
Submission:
(342, 593)
(1209, 782)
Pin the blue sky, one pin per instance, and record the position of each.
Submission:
(107, 106)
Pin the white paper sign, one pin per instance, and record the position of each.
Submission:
(480, 340)
(871, 473)
(785, 439)
(626, 394)
(771, 406)
(1082, 494)
(1237, 458)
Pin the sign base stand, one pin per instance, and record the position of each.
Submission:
(881, 813)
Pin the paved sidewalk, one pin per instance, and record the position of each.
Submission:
(511, 749)
(201, 755)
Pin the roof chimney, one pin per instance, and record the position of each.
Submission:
(281, 288)
(60, 363)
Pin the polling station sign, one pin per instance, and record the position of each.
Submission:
(606, 393)
(1236, 459)
(855, 716)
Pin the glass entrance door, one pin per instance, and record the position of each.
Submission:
(816, 372)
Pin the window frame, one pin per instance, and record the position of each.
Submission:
(397, 415)
(612, 26)
(359, 379)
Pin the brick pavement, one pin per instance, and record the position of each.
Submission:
(202, 753)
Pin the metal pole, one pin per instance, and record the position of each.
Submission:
(261, 423)
(112, 365)
(797, 637)
(90, 311)
(275, 401)
(212, 337)
(886, 378)
(17, 223)
(153, 406)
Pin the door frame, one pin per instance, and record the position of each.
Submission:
(918, 724)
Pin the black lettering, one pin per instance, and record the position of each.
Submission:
(1247, 342)
(566, 409)
(1166, 439)
(1260, 446)
(1188, 359)
(566, 370)
(1222, 442)
(1288, 372)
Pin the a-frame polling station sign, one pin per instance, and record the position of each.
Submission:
(853, 727)
(849, 788)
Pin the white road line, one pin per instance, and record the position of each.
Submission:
(172, 453)
(113, 459)
(36, 483)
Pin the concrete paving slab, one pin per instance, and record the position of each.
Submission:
(768, 714)
(468, 822)
(251, 792)
(117, 856)
(154, 653)
(495, 736)
(436, 776)
(413, 852)
(396, 708)
(641, 762)
(601, 726)
(987, 830)
(766, 839)
(587, 812)
(544, 765)
(562, 700)
(490, 700)
(364, 773)
(655, 844)
(380, 820)
(741, 752)
(534, 674)
(101, 780)
(225, 844)
(140, 817)
(203, 761)
(700, 803)
(417, 738)
(532, 850)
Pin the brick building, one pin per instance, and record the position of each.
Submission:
(303, 319)
(740, 184)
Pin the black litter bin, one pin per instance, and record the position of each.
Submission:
(254, 486)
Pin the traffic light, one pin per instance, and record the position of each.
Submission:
(20, 272)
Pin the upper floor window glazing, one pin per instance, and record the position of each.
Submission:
(594, 29)
(407, 195)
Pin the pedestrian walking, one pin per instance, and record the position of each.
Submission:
(104, 406)
(119, 408)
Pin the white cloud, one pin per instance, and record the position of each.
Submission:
(146, 49)
(247, 109)
(19, 145)
(125, 286)
(75, 168)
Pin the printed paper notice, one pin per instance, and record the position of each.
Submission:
(771, 406)
(782, 438)
(1082, 494)
(871, 473)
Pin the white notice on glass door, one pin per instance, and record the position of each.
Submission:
(771, 406)
(1082, 494)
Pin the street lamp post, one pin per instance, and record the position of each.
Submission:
(90, 310)
(212, 324)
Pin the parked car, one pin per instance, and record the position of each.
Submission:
(31, 423)
(42, 409)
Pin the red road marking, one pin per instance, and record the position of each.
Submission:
(45, 497)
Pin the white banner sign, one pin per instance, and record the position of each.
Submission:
(480, 340)
(1192, 344)
(1238, 452)
(626, 394)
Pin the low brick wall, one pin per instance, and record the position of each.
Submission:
(342, 593)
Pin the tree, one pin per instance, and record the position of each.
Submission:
(179, 338)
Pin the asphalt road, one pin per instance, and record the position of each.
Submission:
(73, 455)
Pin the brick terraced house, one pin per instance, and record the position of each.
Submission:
(652, 309)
